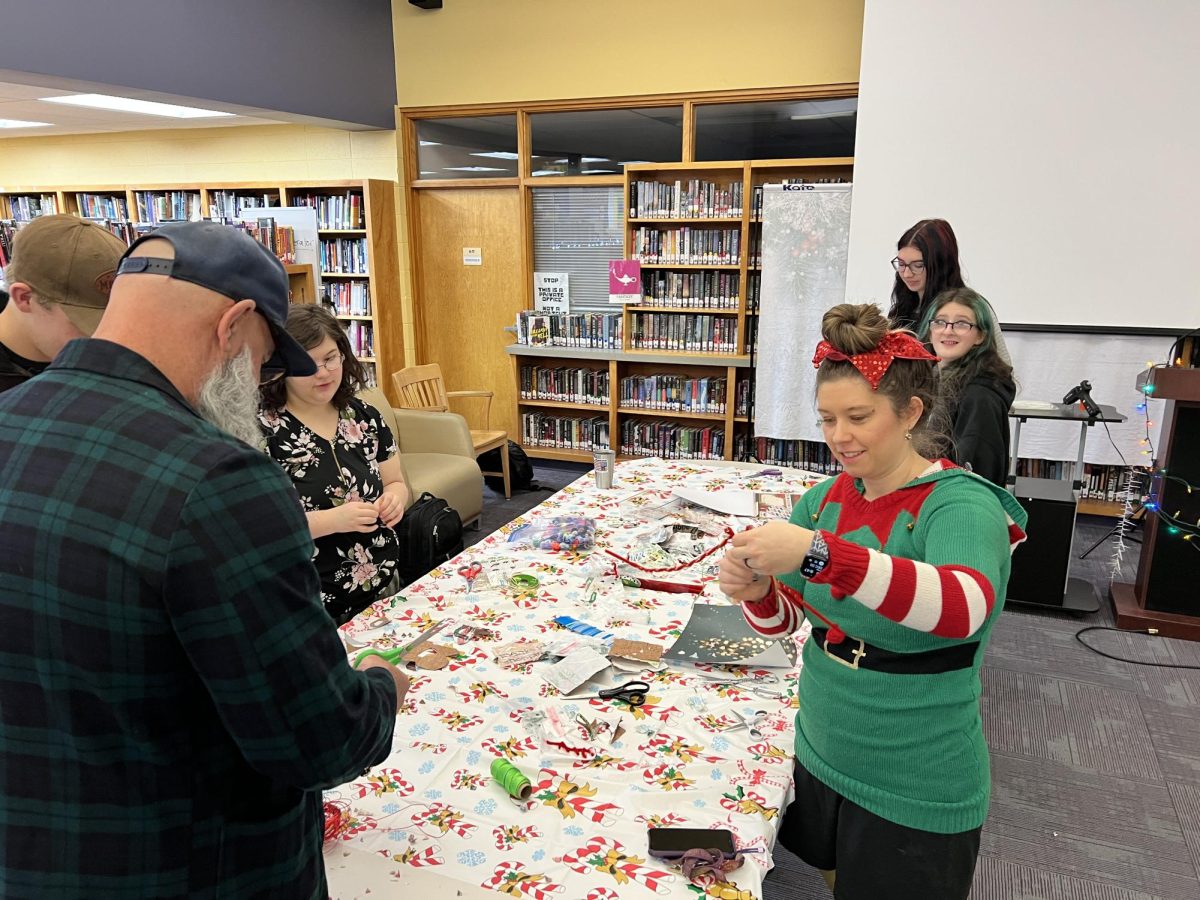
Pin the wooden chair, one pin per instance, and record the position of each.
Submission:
(422, 387)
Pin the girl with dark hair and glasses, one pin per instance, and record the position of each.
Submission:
(975, 384)
(926, 264)
(343, 460)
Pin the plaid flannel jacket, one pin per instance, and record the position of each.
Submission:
(173, 697)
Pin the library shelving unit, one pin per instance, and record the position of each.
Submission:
(689, 343)
(356, 222)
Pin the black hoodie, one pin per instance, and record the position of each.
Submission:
(980, 427)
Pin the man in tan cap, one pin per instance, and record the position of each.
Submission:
(59, 277)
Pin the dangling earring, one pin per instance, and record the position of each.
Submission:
(908, 435)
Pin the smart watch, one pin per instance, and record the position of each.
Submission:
(817, 558)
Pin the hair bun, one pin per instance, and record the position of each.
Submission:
(854, 328)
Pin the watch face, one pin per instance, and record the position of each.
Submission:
(812, 565)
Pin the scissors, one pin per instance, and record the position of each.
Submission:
(765, 685)
(396, 654)
(753, 724)
(632, 692)
(470, 573)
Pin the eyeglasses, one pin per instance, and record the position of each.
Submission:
(961, 327)
(333, 363)
(900, 265)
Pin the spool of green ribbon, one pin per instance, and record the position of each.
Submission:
(510, 778)
(523, 582)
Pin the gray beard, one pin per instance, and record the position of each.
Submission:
(229, 399)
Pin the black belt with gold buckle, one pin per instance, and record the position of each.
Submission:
(854, 653)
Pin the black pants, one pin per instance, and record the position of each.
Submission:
(875, 858)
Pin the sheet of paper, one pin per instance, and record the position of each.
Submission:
(574, 669)
(730, 502)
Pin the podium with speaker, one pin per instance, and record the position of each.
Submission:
(1164, 595)
(1041, 565)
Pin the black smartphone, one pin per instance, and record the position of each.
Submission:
(671, 843)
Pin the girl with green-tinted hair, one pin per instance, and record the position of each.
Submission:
(975, 384)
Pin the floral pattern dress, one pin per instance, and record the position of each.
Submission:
(354, 566)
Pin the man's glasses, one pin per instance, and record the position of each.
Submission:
(900, 265)
(961, 327)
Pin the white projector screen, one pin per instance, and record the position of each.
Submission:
(1060, 138)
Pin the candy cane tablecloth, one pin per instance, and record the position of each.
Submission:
(582, 835)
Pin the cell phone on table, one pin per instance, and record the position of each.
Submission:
(672, 843)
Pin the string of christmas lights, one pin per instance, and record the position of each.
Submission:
(1176, 525)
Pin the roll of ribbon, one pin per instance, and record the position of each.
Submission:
(510, 778)
(523, 582)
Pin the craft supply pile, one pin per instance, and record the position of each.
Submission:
(578, 678)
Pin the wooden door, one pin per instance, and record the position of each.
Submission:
(461, 310)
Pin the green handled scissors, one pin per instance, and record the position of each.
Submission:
(397, 654)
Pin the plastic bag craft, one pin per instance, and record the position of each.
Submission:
(559, 533)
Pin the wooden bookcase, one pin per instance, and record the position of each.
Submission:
(370, 219)
(632, 360)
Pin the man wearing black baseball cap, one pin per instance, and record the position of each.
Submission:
(173, 696)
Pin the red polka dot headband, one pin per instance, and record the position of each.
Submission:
(874, 363)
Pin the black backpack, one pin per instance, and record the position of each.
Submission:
(520, 469)
(429, 534)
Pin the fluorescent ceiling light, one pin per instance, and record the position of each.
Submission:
(17, 123)
(838, 114)
(546, 172)
(497, 154)
(601, 171)
(429, 173)
(128, 104)
(632, 162)
(594, 159)
(430, 143)
(472, 169)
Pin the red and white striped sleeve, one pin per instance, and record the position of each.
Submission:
(774, 615)
(948, 600)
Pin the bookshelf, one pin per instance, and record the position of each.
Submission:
(356, 219)
(680, 364)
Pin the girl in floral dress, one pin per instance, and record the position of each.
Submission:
(342, 458)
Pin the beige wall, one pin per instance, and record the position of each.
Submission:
(476, 51)
(248, 153)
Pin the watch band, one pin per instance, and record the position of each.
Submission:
(817, 557)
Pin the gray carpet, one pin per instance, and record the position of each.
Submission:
(1095, 763)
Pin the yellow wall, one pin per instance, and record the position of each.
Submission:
(246, 153)
(476, 51)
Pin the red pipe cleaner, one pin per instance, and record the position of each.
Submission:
(687, 565)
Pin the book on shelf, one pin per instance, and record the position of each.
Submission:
(158, 207)
(671, 440)
(695, 333)
(690, 199)
(753, 291)
(8, 231)
(231, 204)
(811, 456)
(687, 245)
(362, 337)
(344, 256)
(102, 206)
(335, 212)
(564, 432)
(349, 298)
(743, 397)
(279, 239)
(565, 384)
(708, 290)
(23, 207)
(593, 330)
(675, 393)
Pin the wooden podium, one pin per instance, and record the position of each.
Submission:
(1164, 596)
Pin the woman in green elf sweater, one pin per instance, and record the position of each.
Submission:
(901, 563)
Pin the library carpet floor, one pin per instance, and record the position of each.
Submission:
(1095, 763)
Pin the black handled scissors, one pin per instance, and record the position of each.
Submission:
(632, 692)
